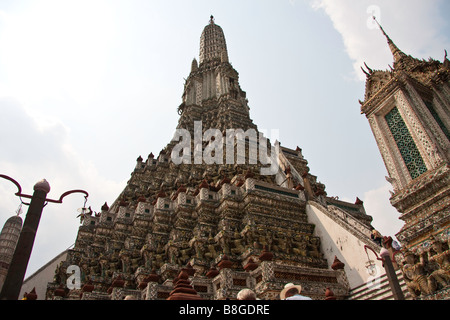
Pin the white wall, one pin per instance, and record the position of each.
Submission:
(42, 277)
(337, 240)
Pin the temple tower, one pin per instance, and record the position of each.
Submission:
(225, 224)
(408, 109)
(212, 43)
(8, 241)
(212, 93)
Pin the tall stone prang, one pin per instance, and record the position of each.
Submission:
(408, 109)
(8, 241)
(225, 225)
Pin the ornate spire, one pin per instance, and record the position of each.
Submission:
(9, 236)
(396, 52)
(212, 42)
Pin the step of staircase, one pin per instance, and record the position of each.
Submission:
(378, 289)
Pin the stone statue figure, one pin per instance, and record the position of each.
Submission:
(441, 258)
(158, 260)
(238, 246)
(223, 240)
(262, 237)
(104, 265)
(173, 254)
(212, 252)
(94, 267)
(280, 244)
(135, 261)
(113, 264)
(84, 270)
(198, 247)
(57, 275)
(314, 248)
(414, 274)
(185, 254)
(299, 246)
(125, 259)
(147, 255)
(249, 238)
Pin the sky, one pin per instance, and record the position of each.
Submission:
(86, 87)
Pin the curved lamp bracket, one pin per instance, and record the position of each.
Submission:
(376, 254)
(19, 192)
(60, 200)
(67, 193)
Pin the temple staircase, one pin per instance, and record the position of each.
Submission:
(378, 289)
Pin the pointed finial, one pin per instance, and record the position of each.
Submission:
(365, 72)
(446, 61)
(194, 65)
(19, 209)
(381, 28)
(367, 67)
(396, 52)
(211, 19)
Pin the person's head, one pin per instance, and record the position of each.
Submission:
(290, 290)
(246, 294)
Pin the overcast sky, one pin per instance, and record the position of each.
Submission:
(88, 86)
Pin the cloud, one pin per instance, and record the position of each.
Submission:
(46, 51)
(24, 138)
(385, 216)
(413, 25)
(33, 148)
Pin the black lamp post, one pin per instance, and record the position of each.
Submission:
(390, 272)
(18, 266)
